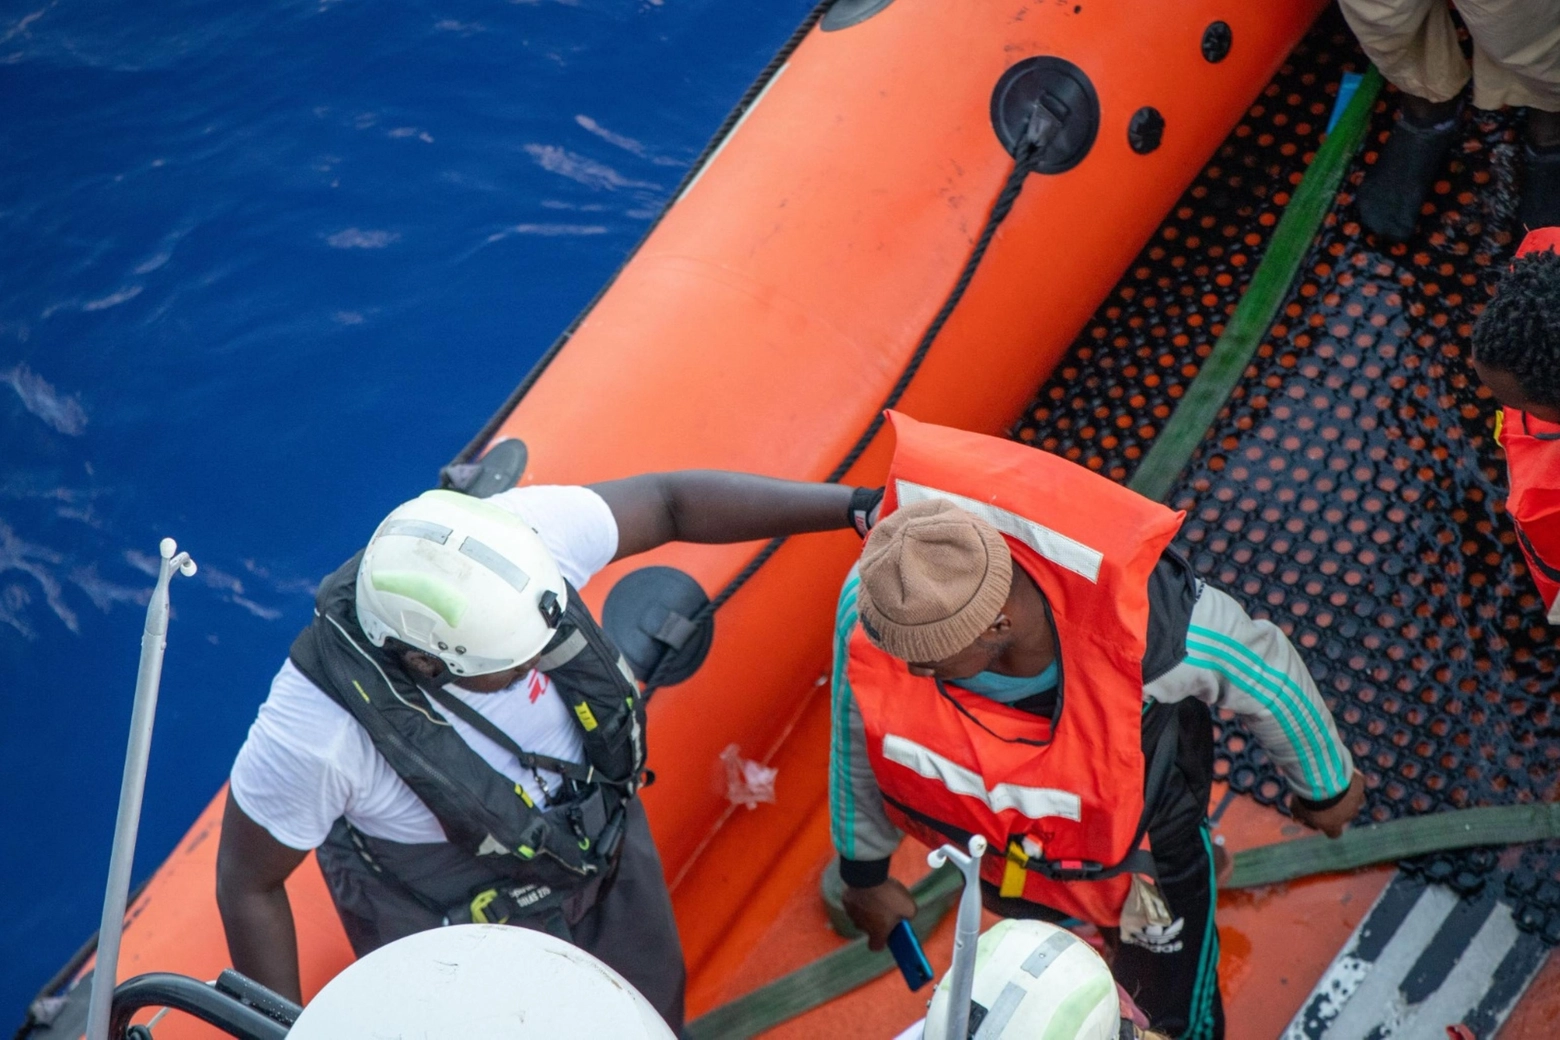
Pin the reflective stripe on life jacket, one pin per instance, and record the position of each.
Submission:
(1034, 802)
(1067, 790)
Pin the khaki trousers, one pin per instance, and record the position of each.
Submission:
(1516, 48)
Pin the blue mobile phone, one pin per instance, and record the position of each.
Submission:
(908, 954)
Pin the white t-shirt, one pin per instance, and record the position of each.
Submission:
(307, 762)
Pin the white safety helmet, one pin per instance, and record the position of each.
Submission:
(1035, 979)
(461, 579)
(479, 982)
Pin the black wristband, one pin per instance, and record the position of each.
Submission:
(863, 873)
(1322, 805)
(862, 502)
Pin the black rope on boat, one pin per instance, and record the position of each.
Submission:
(1041, 128)
(474, 447)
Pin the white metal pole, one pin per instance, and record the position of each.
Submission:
(966, 933)
(131, 787)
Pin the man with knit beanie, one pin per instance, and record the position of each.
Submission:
(1020, 654)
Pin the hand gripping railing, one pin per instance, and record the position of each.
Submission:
(131, 787)
(966, 934)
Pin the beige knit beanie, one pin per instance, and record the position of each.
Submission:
(933, 577)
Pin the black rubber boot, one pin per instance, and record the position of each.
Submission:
(1395, 188)
(1540, 206)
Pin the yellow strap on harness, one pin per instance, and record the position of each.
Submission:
(1014, 874)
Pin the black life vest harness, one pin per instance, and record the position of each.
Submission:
(481, 810)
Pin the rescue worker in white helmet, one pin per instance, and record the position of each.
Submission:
(460, 741)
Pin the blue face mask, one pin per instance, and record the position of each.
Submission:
(1005, 689)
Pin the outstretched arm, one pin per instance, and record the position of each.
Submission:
(252, 869)
(705, 505)
(1251, 668)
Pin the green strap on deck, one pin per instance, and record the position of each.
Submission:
(1266, 292)
(1395, 840)
(830, 976)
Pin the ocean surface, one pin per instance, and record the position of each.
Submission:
(264, 268)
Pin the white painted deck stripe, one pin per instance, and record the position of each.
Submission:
(1376, 994)
(1512, 979)
(1353, 993)
(1468, 981)
(1364, 999)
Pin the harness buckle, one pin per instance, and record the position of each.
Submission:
(1024, 855)
(479, 906)
(550, 609)
(1071, 869)
(501, 905)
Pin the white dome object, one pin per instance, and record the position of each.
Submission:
(479, 982)
(461, 579)
(1035, 979)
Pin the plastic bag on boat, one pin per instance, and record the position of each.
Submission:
(747, 782)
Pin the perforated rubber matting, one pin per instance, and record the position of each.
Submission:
(1352, 491)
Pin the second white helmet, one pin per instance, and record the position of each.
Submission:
(1036, 979)
(462, 579)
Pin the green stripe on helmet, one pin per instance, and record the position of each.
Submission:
(437, 595)
(1077, 1006)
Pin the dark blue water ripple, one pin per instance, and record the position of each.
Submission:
(263, 269)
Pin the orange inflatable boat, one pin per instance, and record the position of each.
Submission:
(860, 234)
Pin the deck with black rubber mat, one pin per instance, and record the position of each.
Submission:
(1351, 491)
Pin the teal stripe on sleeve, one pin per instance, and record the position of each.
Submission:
(1285, 682)
(1304, 709)
(1308, 761)
(842, 793)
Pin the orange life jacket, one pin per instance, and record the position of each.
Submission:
(1060, 803)
(1533, 471)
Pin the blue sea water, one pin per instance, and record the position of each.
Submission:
(264, 267)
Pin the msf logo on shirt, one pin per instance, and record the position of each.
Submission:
(1157, 938)
(536, 685)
